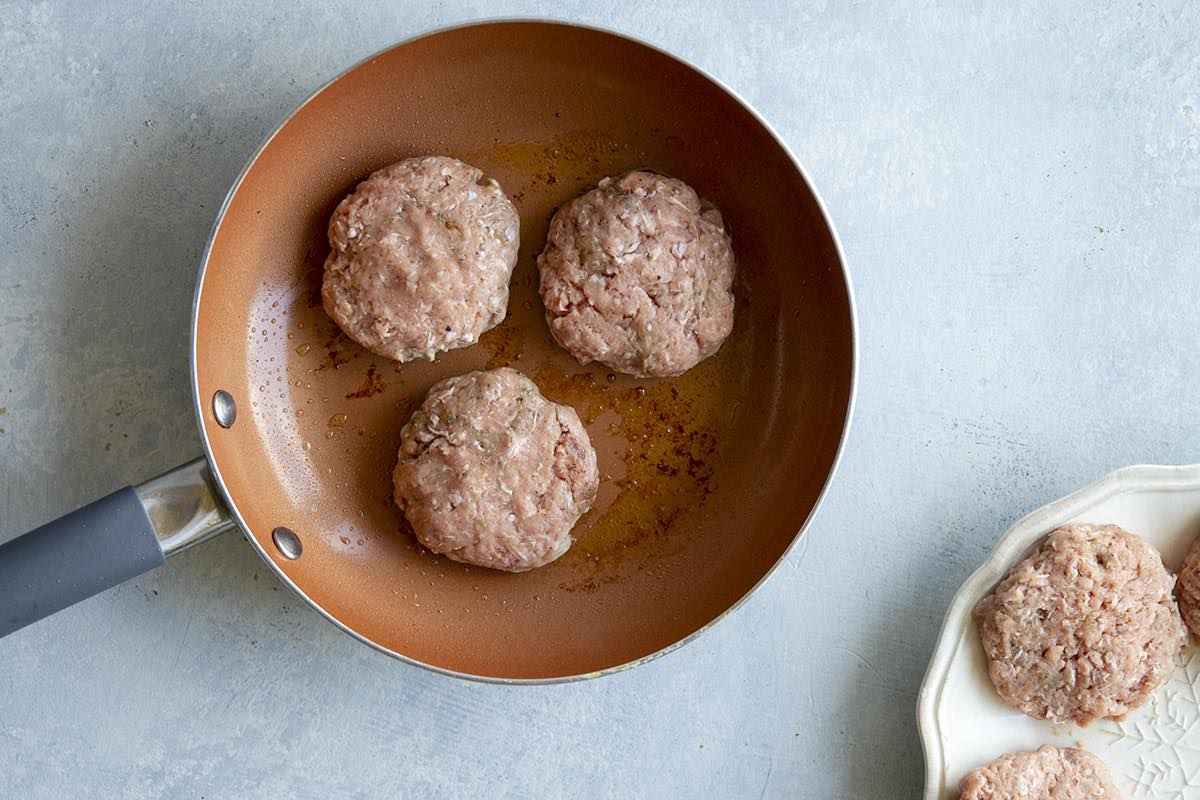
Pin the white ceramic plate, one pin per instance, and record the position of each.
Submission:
(1155, 751)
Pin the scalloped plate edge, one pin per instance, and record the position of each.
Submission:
(1013, 544)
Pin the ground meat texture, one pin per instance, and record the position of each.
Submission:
(421, 255)
(637, 274)
(1048, 773)
(1188, 588)
(493, 474)
(1083, 629)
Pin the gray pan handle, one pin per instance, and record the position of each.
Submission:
(74, 557)
(106, 543)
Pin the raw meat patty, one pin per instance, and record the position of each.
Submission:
(493, 474)
(1048, 773)
(422, 252)
(637, 274)
(1188, 588)
(1084, 628)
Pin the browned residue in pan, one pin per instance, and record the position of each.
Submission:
(656, 439)
(372, 385)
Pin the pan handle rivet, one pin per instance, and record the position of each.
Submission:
(224, 409)
(287, 542)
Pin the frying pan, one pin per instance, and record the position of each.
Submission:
(706, 479)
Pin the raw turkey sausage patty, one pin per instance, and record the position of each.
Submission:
(1188, 588)
(1085, 628)
(1049, 773)
(637, 274)
(422, 252)
(493, 474)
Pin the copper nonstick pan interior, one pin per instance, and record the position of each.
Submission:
(705, 479)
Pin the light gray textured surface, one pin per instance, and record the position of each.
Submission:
(1018, 192)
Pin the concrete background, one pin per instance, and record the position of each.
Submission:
(1018, 191)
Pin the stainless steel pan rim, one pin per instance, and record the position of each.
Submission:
(198, 403)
